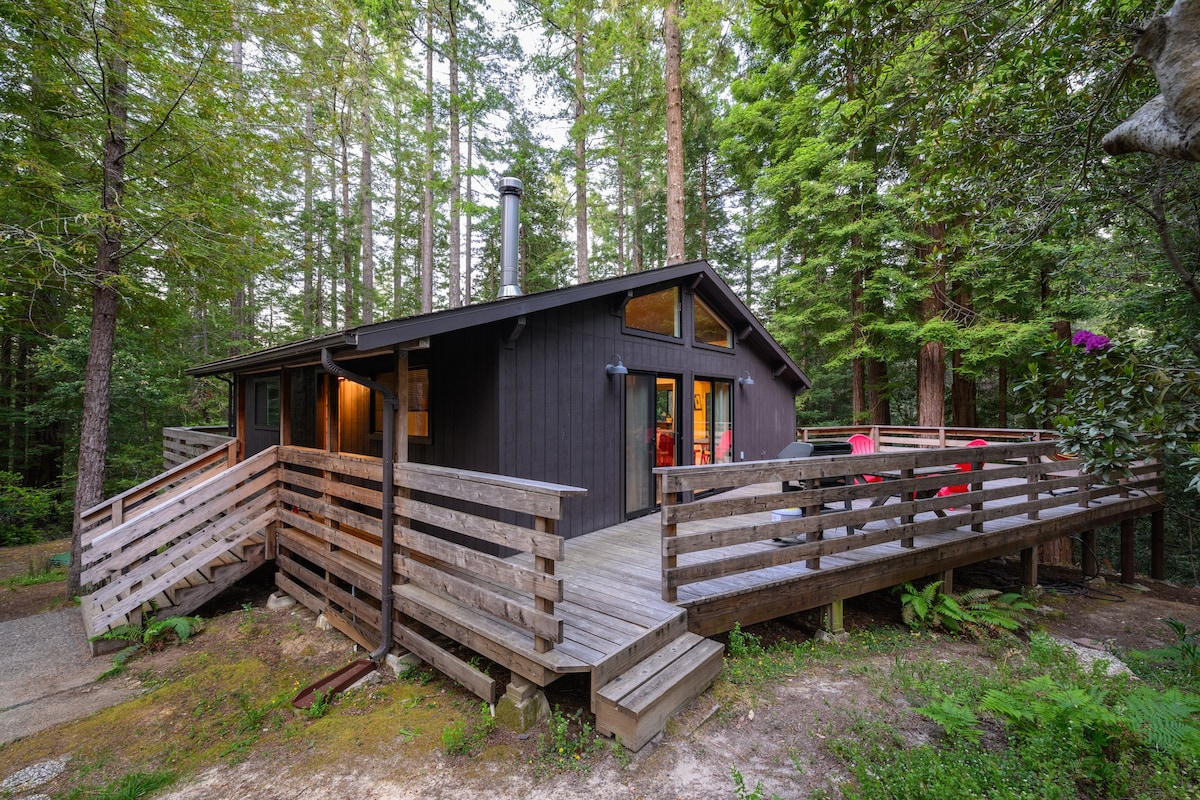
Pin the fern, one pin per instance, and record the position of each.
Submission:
(1165, 720)
(152, 635)
(977, 612)
(956, 719)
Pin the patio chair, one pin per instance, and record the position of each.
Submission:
(946, 491)
(863, 445)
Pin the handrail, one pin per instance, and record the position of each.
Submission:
(1006, 480)
(160, 487)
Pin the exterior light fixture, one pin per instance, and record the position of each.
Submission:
(617, 368)
(745, 380)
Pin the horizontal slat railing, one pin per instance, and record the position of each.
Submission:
(443, 517)
(892, 436)
(132, 563)
(126, 506)
(1017, 480)
(183, 444)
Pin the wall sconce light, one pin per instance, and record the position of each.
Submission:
(745, 380)
(617, 368)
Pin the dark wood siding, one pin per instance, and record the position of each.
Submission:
(544, 408)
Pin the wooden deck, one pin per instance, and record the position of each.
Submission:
(628, 605)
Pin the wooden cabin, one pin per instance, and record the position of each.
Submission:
(593, 385)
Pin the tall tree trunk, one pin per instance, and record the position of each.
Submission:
(638, 255)
(334, 241)
(455, 161)
(427, 203)
(673, 43)
(348, 290)
(931, 355)
(621, 267)
(858, 365)
(365, 178)
(963, 390)
(579, 133)
(470, 199)
(97, 378)
(309, 313)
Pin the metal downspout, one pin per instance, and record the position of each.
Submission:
(391, 404)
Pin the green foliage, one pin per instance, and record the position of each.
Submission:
(956, 719)
(569, 742)
(134, 786)
(1121, 401)
(319, 706)
(740, 792)
(464, 737)
(1181, 658)
(977, 612)
(152, 635)
(29, 515)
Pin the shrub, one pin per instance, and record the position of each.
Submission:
(29, 515)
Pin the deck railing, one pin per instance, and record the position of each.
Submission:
(704, 539)
(128, 504)
(183, 444)
(128, 564)
(331, 519)
(887, 436)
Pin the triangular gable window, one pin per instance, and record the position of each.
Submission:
(709, 329)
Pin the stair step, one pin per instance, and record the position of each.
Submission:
(636, 705)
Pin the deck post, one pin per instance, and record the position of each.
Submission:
(522, 705)
(670, 592)
(1087, 559)
(907, 497)
(948, 582)
(833, 627)
(545, 566)
(1029, 568)
(1158, 553)
(1128, 553)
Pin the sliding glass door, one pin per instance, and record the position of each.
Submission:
(651, 437)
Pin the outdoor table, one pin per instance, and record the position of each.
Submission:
(890, 475)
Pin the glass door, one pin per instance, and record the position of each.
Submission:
(712, 422)
(651, 437)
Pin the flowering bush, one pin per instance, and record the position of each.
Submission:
(1121, 402)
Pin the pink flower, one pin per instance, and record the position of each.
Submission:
(1090, 341)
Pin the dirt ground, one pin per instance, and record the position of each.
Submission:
(386, 741)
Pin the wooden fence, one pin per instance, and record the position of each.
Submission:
(1009, 486)
(183, 444)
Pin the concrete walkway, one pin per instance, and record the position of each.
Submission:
(48, 676)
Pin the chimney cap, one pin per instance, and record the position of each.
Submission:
(511, 185)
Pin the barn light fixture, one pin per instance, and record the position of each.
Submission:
(745, 380)
(617, 368)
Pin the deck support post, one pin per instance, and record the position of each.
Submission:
(522, 705)
(1029, 568)
(1128, 553)
(1158, 553)
(1087, 559)
(832, 628)
(948, 582)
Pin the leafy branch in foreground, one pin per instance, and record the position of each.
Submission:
(978, 612)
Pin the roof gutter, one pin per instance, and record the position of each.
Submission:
(391, 405)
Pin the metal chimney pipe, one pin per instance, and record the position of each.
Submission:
(511, 190)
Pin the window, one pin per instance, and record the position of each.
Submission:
(657, 312)
(266, 403)
(709, 329)
(418, 403)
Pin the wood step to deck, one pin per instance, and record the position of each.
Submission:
(636, 705)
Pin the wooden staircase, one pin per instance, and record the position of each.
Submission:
(169, 546)
(635, 705)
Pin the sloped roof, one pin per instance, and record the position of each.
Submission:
(697, 274)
